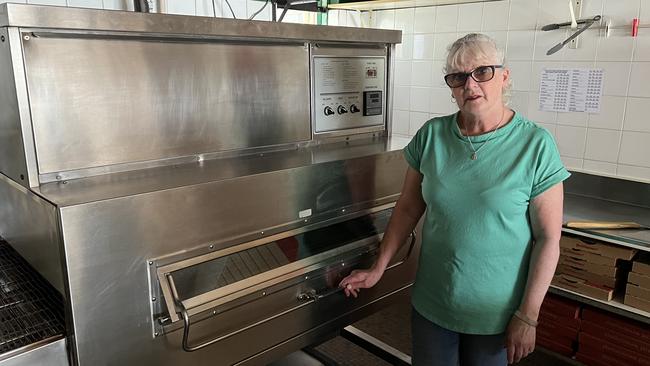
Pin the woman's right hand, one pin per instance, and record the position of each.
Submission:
(359, 279)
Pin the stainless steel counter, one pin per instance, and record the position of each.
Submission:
(581, 208)
(595, 198)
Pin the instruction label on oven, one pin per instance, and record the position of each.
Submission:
(342, 86)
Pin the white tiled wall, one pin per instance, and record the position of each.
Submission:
(614, 142)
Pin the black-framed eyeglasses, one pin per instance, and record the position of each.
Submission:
(480, 74)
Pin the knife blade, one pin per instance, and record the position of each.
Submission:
(605, 225)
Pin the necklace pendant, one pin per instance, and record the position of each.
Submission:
(474, 156)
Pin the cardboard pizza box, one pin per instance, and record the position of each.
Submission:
(636, 302)
(599, 269)
(639, 280)
(597, 248)
(583, 287)
(587, 276)
(636, 291)
(641, 264)
(577, 254)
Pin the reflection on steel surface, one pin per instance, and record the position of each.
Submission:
(226, 270)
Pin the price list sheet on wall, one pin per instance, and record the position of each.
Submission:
(570, 90)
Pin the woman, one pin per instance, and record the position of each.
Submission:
(490, 183)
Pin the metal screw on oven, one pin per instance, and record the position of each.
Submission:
(2, 38)
(343, 211)
(306, 277)
(261, 233)
(153, 299)
(26, 38)
(211, 246)
(156, 334)
(214, 312)
(151, 263)
(58, 177)
(264, 293)
(342, 264)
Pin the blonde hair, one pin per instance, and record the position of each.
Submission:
(476, 47)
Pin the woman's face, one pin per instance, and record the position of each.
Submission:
(480, 97)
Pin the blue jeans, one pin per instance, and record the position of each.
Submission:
(437, 346)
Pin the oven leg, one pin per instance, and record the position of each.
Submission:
(375, 346)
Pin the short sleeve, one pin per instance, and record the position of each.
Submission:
(549, 169)
(413, 151)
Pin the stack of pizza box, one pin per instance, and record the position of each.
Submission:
(592, 268)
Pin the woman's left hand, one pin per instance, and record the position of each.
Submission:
(520, 340)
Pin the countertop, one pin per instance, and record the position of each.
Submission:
(582, 208)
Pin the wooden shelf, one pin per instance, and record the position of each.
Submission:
(615, 306)
(397, 4)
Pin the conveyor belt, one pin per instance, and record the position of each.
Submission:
(30, 309)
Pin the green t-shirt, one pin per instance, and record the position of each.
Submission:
(477, 235)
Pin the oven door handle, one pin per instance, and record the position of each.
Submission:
(313, 296)
(306, 298)
(186, 327)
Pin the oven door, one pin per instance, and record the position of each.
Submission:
(262, 283)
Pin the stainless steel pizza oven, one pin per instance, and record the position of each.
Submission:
(195, 188)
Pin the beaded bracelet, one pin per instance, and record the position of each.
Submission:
(526, 319)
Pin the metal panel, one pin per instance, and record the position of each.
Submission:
(390, 94)
(340, 84)
(12, 158)
(344, 85)
(169, 99)
(51, 353)
(328, 328)
(23, 106)
(97, 188)
(97, 20)
(107, 244)
(609, 189)
(30, 224)
(17, 152)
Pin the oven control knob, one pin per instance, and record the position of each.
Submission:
(329, 111)
(354, 109)
(341, 109)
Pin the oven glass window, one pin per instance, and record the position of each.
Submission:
(226, 270)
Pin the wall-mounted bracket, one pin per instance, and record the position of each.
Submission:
(577, 11)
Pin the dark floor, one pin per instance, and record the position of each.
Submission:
(392, 326)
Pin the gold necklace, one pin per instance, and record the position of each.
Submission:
(474, 155)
